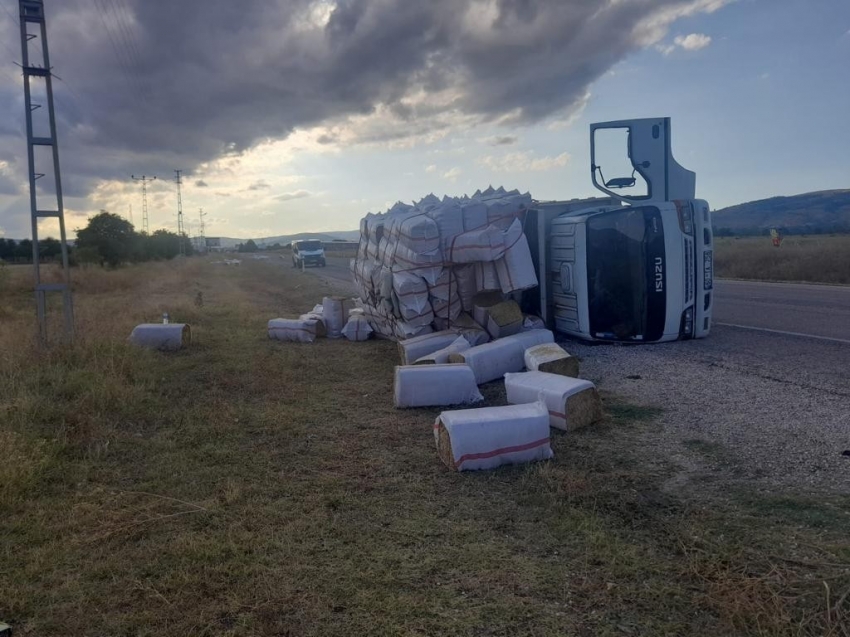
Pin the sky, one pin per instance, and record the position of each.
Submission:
(290, 116)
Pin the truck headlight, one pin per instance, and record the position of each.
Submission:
(686, 328)
(686, 218)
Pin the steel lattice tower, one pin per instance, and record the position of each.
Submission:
(32, 14)
(179, 181)
(144, 180)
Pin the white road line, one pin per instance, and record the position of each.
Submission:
(783, 332)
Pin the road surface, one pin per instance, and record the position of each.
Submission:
(821, 311)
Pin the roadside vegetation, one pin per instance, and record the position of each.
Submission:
(250, 487)
(815, 258)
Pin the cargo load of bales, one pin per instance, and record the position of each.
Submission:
(420, 268)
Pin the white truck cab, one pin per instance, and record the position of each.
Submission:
(636, 266)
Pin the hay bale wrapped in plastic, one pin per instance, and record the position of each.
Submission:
(486, 276)
(411, 291)
(572, 402)
(412, 349)
(516, 268)
(318, 322)
(293, 330)
(435, 386)
(489, 437)
(504, 319)
(357, 328)
(482, 302)
(495, 359)
(335, 312)
(466, 326)
(166, 337)
(552, 359)
(441, 356)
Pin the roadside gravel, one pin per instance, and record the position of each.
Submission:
(766, 409)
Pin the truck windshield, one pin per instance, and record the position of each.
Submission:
(626, 274)
(309, 246)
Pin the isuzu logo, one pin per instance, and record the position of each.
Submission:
(659, 274)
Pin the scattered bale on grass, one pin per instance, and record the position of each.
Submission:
(552, 359)
(162, 336)
(293, 330)
(486, 438)
(572, 403)
(493, 360)
(441, 357)
(435, 386)
(357, 328)
(412, 349)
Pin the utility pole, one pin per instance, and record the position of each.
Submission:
(179, 181)
(203, 239)
(39, 75)
(144, 180)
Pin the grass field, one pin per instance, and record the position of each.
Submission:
(248, 487)
(816, 258)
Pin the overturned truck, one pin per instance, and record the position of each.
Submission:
(635, 266)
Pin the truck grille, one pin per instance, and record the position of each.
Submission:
(690, 276)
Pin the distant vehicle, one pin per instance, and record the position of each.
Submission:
(306, 253)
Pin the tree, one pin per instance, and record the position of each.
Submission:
(24, 249)
(49, 248)
(162, 244)
(249, 246)
(7, 249)
(112, 236)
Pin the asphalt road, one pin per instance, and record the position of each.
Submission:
(820, 311)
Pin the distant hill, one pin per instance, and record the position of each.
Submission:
(285, 239)
(809, 213)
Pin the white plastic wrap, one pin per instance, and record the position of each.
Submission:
(486, 277)
(294, 330)
(334, 312)
(465, 277)
(435, 386)
(489, 437)
(515, 268)
(495, 359)
(166, 337)
(357, 328)
(415, 348)
(441, 356)
(412, 293)
(572, 402)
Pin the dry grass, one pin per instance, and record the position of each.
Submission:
(818, 259)
(251, 487)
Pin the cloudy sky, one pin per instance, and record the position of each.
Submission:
(302, 115)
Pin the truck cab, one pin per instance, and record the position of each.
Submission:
(308, 252)
(636, 266)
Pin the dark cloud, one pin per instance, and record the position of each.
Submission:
(200, 183)
(260, 184)
(289, 196)
(503, 140)
(148, 89)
